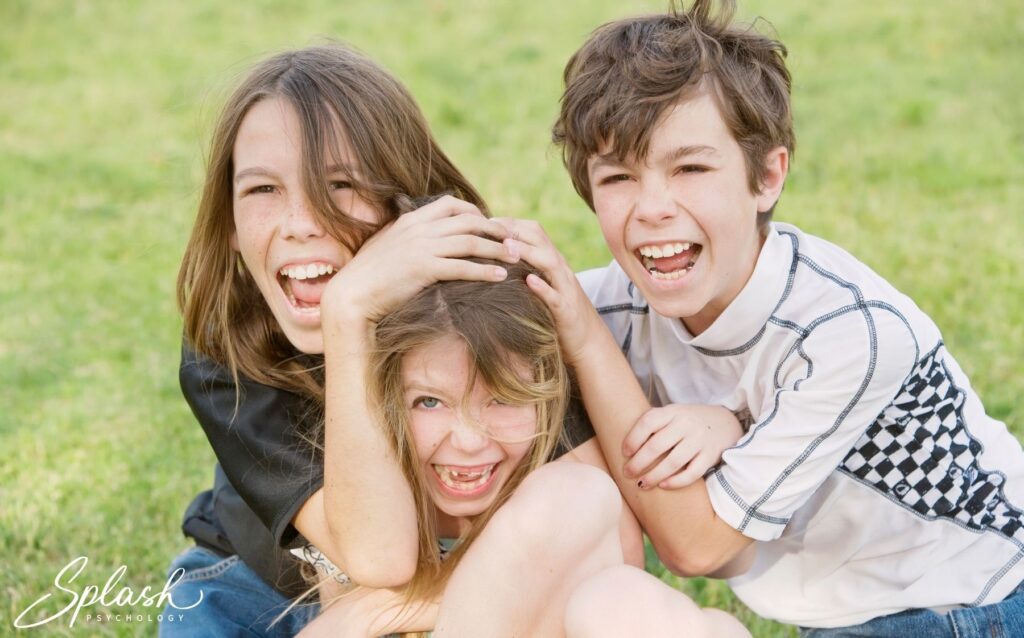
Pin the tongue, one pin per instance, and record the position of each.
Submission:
(309, 291)
(675, 262)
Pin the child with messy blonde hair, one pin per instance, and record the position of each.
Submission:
(467, 380)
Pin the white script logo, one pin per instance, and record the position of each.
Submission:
(91, 594)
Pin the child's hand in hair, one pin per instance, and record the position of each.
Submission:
(419, 248)
(561, 292)
(673, 446)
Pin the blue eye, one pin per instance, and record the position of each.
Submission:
(426, 402)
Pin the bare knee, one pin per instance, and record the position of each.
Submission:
(626, 601)
(558, 498)
(601, 605)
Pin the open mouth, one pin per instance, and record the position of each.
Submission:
(462, 480)
(669, 261)
(304, 285)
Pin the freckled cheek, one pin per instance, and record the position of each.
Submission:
(427, 436)
(612, 222)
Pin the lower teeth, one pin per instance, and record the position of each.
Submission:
(675, 274)
(447, 477)
(298, 305)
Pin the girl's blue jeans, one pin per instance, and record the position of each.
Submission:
(235, 601)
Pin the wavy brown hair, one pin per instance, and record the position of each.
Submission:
(631, 72)
(504, 326)
(337, 94)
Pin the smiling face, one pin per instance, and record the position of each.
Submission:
(468, 442)
(682, 222)
(285, 249)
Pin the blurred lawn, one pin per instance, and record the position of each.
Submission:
(910, 153)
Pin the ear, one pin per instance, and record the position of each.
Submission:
(776, 165)
(233, 240)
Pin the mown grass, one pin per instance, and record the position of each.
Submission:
(910, 153)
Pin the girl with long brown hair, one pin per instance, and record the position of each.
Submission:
(308, 159)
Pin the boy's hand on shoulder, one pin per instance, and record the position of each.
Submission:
(673, 446)
(421, 247)
(558, 289)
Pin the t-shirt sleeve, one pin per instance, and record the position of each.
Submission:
(611, 293)
(828, 390)
(260, 447)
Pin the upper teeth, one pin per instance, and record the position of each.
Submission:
(665, 250)
(309, 271)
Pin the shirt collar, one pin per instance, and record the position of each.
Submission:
(743, 321)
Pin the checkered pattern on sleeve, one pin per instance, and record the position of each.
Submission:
(920, 452)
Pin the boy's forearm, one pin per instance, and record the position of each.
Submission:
(682, 525)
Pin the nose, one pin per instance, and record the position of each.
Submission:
(468, 437)
(300, 222)
(654, 203)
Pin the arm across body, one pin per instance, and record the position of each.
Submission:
(788, 453)
(684, 528)
(681, 523)
(364, 519)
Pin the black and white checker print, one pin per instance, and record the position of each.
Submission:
(920, 452)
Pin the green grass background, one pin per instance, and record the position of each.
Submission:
(910, 153)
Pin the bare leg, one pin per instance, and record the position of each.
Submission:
(560, 527)
(626, 601)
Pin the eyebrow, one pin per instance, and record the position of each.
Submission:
(416, 386)
(254, 171)
(340, 168)
(610, 159)
(686, 151)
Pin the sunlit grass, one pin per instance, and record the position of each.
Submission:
(910, 154)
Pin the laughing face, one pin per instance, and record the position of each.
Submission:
(285, 250)
(467, 441)
(682, 222)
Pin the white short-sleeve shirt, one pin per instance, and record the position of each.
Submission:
(869, 471)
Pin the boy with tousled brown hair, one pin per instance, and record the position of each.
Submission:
(871, 495)
(746, 73)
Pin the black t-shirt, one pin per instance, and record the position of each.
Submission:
(266, 469)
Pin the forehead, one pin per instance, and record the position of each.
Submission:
(692, 126)
(443, 362)
(268, 123)
(448, 364)
(271, 132)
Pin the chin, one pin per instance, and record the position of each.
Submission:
(463, 511)
(466, 509)
(673, 306)
(305, 341)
